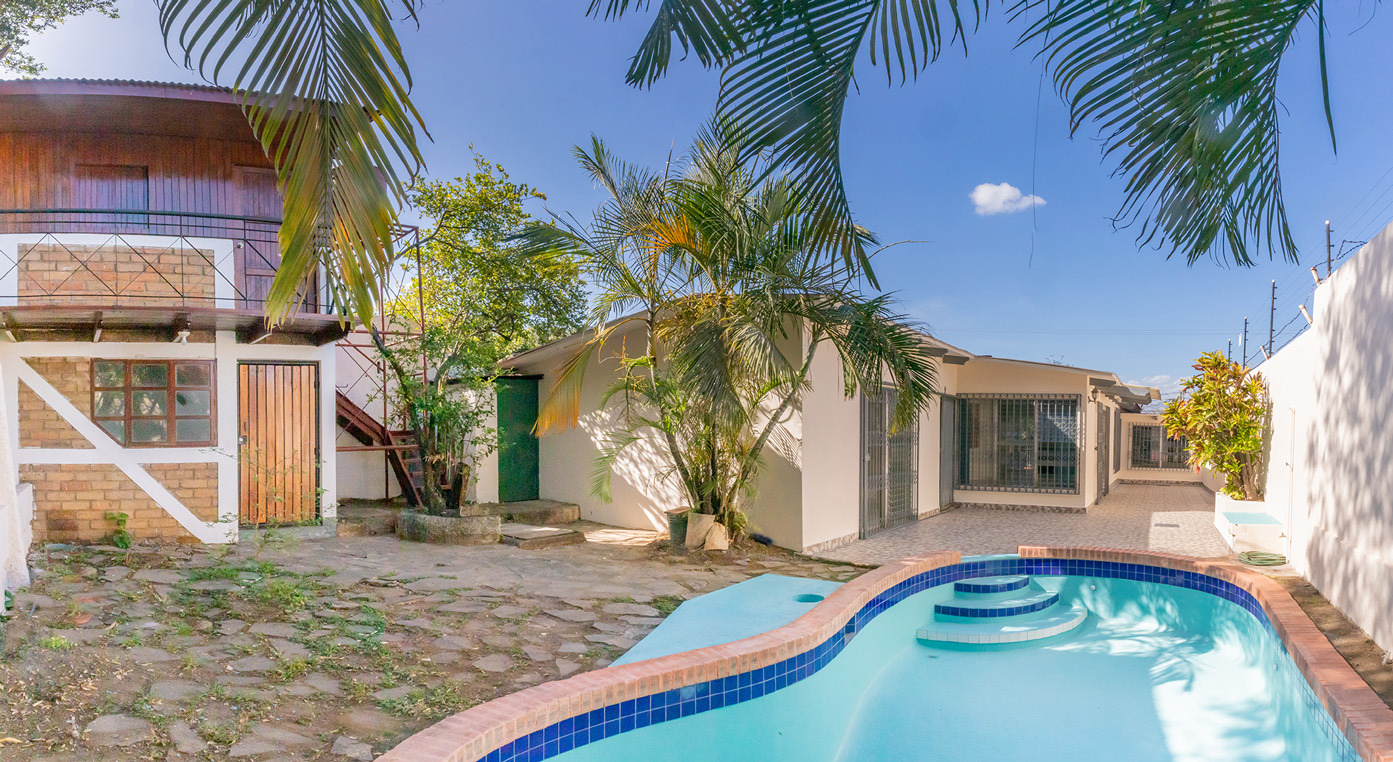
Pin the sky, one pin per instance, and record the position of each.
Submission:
(1002, 219)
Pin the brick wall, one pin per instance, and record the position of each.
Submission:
(71, 502)
(195, 484)
(39, 424)
(54, 274)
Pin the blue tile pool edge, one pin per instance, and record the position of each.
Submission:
(641, 712)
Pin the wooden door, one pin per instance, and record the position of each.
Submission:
(278, 453)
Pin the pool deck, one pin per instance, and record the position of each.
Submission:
(1164, 519)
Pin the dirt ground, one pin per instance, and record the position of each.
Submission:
(1352, 643)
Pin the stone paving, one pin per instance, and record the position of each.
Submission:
(321, 650)
(1171, 519)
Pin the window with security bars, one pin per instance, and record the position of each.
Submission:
(1151, 448)
(1027, 443)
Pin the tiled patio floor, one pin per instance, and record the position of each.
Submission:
(1172, 519)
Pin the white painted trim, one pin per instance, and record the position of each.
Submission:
(128, 460)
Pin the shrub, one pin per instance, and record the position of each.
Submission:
(1221, 410)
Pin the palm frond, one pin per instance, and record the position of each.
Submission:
(1184, 95)
(326, 88)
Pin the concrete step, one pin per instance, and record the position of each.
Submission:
(990, 587)
(995, 608)
(536, 512)
(530, 537)
(366, 519)
(988, 632)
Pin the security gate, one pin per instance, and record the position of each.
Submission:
(1103, 459)
(947, 450)
(889, 465)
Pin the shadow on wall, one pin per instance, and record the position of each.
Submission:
(1349, 444)
(642, 483)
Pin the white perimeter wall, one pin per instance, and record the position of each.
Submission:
(1330, 467)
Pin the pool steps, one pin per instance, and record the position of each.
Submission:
(999, 610)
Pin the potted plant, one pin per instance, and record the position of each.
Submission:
(1221, 411)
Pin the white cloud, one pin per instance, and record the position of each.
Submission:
(1002, 198)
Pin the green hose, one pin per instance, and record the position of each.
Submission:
(1259, 558)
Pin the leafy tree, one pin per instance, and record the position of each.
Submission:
(716, 264)
(1183, 93)
(1221, 410)
(482, 303)
(21, 18)
(477, 286)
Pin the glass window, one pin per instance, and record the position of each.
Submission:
(1021, 444)
(132, 400)
(150, 375)
(1151, 448)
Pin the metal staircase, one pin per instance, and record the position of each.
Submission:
(398, 445)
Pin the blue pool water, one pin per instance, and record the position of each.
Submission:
(1155, 672)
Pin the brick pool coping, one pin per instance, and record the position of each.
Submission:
(472, 734)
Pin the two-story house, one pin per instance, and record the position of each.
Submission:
(138, 238)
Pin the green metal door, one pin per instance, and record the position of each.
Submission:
(518, 457)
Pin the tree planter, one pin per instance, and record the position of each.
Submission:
(698, 524)
(448, 530)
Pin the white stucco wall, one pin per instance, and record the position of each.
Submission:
(1330, 461)
(362, 475)
(831, 475)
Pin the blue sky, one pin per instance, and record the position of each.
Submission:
(523, 81)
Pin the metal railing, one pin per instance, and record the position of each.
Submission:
(1151, 448)
(1020, 443)
(124, 257)
(150, 258)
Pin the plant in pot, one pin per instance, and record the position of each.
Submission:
(1221, 411)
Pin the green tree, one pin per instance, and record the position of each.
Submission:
(21, 18)
(1183, 94)
(716, 264)
(1221, 410)
(482, 302)
(477, 287)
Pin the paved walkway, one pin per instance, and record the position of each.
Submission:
(1178, 519)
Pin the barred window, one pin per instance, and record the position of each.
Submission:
(1021, 443)
(1151, 448)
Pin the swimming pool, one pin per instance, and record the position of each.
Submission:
(1167, 665)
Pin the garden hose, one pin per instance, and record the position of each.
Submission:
(1259, 558)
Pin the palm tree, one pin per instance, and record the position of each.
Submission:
(326, 88)
(717, 264)
(1183, 93)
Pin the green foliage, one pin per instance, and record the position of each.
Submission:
(1222, 410)
(56, 643)
(120, 537)
(721, 261)
(326, 88)
(1183, 94)
(482, 303)
(666, 604)
(19, 19)
(476, 287)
